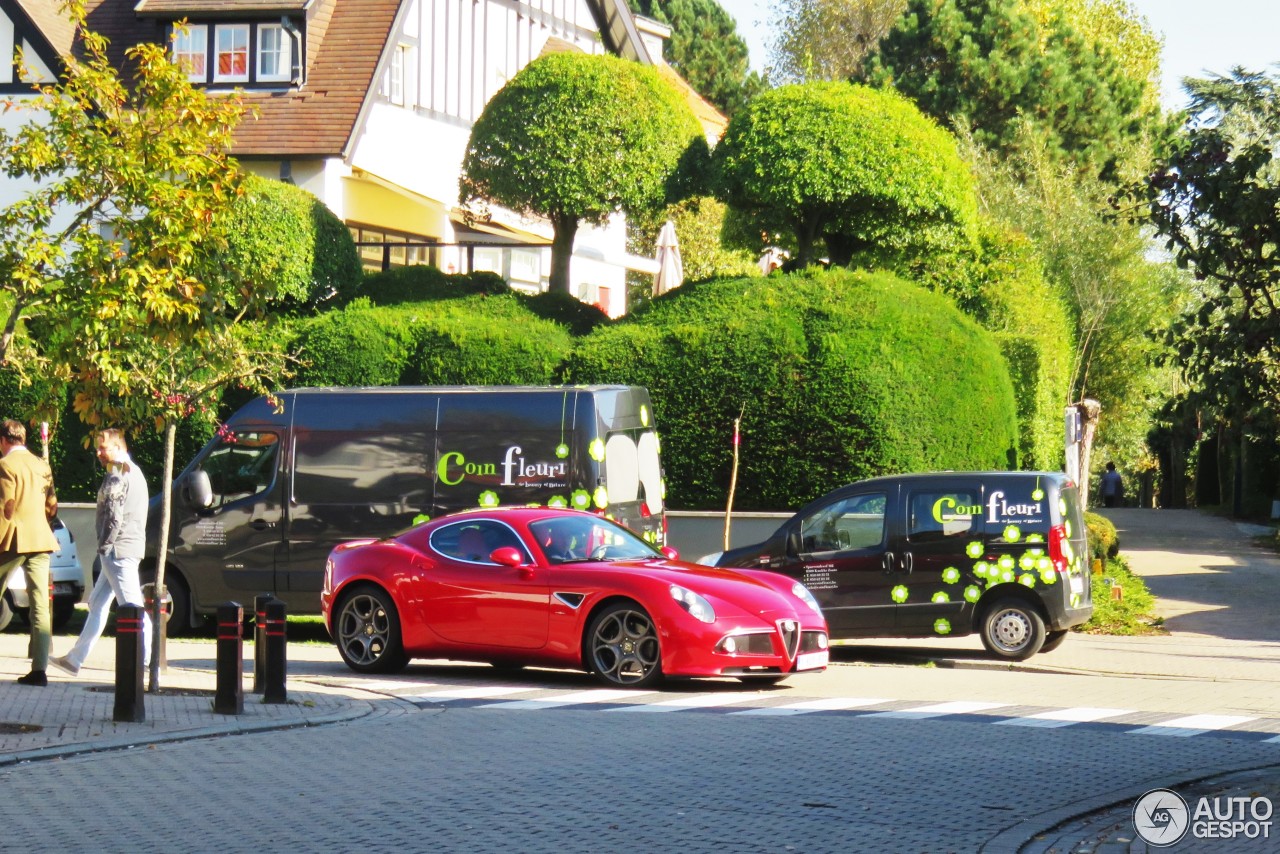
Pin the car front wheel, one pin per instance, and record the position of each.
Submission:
(367, 630)
(622, 647)
(1012, 630)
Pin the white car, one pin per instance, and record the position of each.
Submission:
(65, 574)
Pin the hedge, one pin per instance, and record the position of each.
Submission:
(837, 375)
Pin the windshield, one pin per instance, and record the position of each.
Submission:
(564, 539)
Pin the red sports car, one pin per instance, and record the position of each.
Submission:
(563, 588)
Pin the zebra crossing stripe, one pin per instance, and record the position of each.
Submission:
(1192, 725)
(1065, 717)
(936, 710)
(602, 695)
(831, 704)
(696, 701)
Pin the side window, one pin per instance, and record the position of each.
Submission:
(244, 464)
(474, 540)
(849, 524)
(937, 515)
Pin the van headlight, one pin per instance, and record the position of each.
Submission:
(693, 603)
(802, 593)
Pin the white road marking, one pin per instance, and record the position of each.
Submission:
(696, 701)
(1192, 725)
(601, 695)
(829, 704)
(1066, 717)
(935, 710)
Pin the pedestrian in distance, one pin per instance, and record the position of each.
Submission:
(1112, 487)
(27, 505)
(121, 522)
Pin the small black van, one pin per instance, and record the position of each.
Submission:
(1003, 554)
(261, 506)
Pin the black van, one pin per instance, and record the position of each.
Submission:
(1003, 554)
(261, 506)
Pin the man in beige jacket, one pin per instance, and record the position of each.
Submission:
(27, 503)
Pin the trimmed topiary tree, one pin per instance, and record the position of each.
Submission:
(854, 166)
(287, 236)
(838, 376)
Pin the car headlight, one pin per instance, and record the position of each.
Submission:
(802, 593)
(693, 603)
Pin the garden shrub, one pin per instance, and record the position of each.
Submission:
(572, 313)
(285, 236)
(419, 283)
(837, 375)
(1104, 540)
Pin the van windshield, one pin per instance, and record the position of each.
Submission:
(241, 465)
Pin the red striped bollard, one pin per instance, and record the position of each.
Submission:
(129, 669)
(260, 639)
(274, 672)
(228, 698)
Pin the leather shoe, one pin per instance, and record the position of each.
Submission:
(61, 662)
(35, 677)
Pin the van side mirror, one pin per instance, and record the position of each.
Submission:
(507, 556)
(197, 491)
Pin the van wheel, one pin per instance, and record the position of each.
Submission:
(1053, 640)
(1013, 630)
(180, 620)
(367, 629)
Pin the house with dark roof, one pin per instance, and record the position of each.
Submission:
(368, 104)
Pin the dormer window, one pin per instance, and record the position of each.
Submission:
(232, 42)
(236, 53)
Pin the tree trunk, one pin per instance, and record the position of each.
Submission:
(566, 229)
(158, 625)
(1090, 411)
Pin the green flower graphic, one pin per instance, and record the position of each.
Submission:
(972, 593)
(1006, 562)
(951, 575)
(580, 499)
(942, 627)
(559, 502)
(1048, 576)
(1026, 562)
(940, 598)
(644, 415)
(601, 497)
(899, 594)
(1011, 534)
(420, 518)
(562, 450)
(973, 550)
(488, 498)
(981, 568)
(596, 450)
(1027, 580)
(1037, 494)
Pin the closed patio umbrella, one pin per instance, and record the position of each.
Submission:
(670, 267)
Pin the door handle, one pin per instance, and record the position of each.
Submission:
(908, 562)
(887, 561)
(261, 524)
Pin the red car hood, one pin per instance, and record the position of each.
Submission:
(745, 590)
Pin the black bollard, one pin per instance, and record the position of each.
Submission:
(228, 699)
(129, 705)
(260, 639)
(274, 672)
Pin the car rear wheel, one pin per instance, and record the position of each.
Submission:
(63, 611)
(367, 630)
(1012, 630)
(622, 647)
(1053, 640)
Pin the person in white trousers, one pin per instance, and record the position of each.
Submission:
(122, 528)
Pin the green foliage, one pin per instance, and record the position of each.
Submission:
(285, 237)
(855, 166)
(837, 376)
(995, 65)
(706, 50)
(478, 339)
(575, 138)
(422, 282)
(1104, 541)
(1129, 615)
(570, 312)
(1214, 200)
(829, 39)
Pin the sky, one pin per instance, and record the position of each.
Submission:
(1199, 36)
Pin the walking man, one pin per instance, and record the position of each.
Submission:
(27, 504)
(1112, 486)
(122, 531)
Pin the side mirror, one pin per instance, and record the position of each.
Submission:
(507, 556)
(197, 490)
(671, 553)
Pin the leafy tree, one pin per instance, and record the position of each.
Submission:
(855, 166)
(576, 138)
(993, 64)
(285, 236)
(117, 258)
(1213, 200)
(829, 39)
(706, 49)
